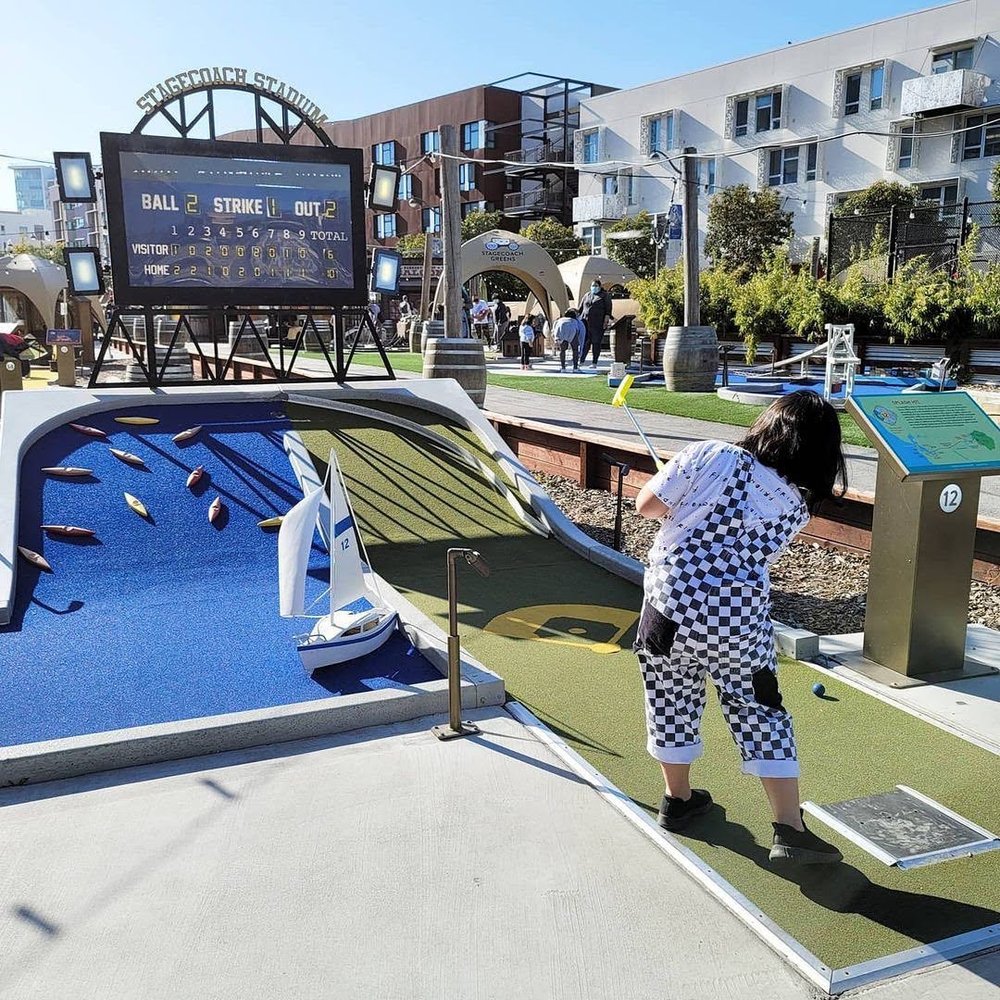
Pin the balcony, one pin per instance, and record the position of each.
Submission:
(526, 160)
(538, 202)
(599, 208)
(941, 93)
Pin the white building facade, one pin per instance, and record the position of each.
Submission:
(914, 99)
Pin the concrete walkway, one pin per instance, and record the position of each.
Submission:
(374, 864)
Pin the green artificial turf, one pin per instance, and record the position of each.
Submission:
(412, 504)
(655, 399)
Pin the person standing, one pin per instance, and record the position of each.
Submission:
(595, 311)
(567, 332)
(501, 319)
(480, 318)
(526, 336)
(727, 512)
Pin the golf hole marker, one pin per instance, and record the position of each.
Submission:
(951, 498)
(585, 626)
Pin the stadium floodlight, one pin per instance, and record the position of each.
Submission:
(383, 182)
(75, 177)
(386, 268)
(83, 271)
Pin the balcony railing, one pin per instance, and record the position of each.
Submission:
(526, 202)
(599, 208)
(943, 92)
(547, 152)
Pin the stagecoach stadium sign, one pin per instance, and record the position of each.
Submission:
(221, 76)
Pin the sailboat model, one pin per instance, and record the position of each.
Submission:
(360, 621)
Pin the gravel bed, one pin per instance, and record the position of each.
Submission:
(812, 587)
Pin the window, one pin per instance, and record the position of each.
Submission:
(768, 109)
(946, 196)
(877, 85)
(783, 166)
(468, 207)
(852, 94)
(471, 136)
(593, 236)
(983, 136)
(706, 174)
(905, 148)
(384, 153)
(661, 133)
(430, 142)
(742, 112)
(618, 184)
(466, 176)
(946, 62)
(590, 147)
(431, 219)
(405, 190)
(812, 153)
(385, 226)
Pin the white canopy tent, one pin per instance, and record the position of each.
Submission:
(38, 279)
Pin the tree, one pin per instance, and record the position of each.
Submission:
(745, 228)
(47, 251)
(560, 241)
(412, 244)
(879, 198)
(639, 253)
(477, 223)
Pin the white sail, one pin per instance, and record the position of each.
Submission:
(294, 542)
(347, 578)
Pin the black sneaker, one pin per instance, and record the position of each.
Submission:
(802, 846)
(675, 813)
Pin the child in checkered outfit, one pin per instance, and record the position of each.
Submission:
(728, 511)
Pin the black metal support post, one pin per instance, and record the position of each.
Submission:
(623, 470)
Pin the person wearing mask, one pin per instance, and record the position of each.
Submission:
(568, 331)
(595, 311)
(526, 335)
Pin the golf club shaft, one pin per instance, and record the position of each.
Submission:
(645, 440)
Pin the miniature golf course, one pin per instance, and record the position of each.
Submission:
(559, 629)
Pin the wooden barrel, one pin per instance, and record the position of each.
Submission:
(690, 359)
(459, 358)
(178, 366)
(415, 337)
(432, 328)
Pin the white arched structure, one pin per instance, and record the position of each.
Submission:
(39, 280)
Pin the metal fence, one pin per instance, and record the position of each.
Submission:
(886, 241)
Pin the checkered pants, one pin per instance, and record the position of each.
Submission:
(734, 646)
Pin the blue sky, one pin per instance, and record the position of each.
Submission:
(63, 83)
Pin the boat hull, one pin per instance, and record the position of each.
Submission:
(89, 431)
(330, 647)
(186, 435)
(137, 421)
(66, 470)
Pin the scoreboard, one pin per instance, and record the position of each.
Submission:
(195, 222)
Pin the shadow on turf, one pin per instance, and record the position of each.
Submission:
(842, 888)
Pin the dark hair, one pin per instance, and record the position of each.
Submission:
(799, 437)
(570, 314)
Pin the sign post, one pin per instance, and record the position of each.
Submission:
(64, 344)
(933, 450)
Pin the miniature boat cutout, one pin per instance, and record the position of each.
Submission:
(66, 470)
(137, 505)
(271, 522)
(34, 558)
(138, 421)
(359, 620)
(93, 432)
(215, 509)
(195, 476)
(186, 435)
(127, 456)
(69, 530)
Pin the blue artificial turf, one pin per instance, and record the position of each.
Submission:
(171, 618)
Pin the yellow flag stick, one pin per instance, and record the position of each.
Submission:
(619, 400)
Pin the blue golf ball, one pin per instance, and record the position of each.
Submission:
(819, 690)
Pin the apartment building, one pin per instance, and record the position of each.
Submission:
(914, 99)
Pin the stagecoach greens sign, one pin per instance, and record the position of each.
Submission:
(188, 80)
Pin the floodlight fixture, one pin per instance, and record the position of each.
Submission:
(383, 182)
(75, 177)
(83, 271)
(386, 268)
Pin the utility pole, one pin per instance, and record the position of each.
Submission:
(425, 281)
(451, 232)
(692, 294)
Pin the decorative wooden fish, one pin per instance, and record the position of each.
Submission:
(66, 470)
(186, 435)
(195, 476)
(271, 522)
(127, 456)
(215, 509)
(137, 505)
(139, 421)
(34, 558)
(70, 530)
(89, 431)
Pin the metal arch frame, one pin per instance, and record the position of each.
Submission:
(285, 131)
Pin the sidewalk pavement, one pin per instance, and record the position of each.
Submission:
(379, 863)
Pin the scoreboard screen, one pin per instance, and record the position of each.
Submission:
(193, 222)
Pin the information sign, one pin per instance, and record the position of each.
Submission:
(930, 435)
(54, 337)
